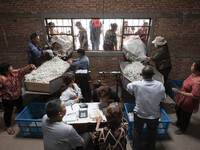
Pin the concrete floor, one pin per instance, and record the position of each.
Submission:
(188, 141)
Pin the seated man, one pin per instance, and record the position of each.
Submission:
(57, 134)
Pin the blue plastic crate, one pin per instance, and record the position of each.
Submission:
(30, 120)
(163, 124)
(174, 84)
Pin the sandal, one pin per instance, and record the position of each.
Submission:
(10, 131)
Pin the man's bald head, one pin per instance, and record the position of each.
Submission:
(147, 72)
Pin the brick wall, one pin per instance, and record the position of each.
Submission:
(183, 41)
(177, 20)
(163, 6)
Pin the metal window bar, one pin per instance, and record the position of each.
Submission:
(149, 27)
(122, 40)
(47, 26)
(72, 32)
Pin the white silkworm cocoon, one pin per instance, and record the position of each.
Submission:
(48, 71)
(133, 70)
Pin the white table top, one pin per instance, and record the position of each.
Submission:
(72, 114)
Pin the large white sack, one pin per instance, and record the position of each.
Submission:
(134, 49)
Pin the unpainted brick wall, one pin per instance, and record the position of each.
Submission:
(162, 6)
(182, 34)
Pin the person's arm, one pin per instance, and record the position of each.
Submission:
(115, 41)
(125, 124)
(130, 88)
(80, 96)
(83, 43)
(75, 139)
(69, 102)
(28, 68)
(84, 39)
(82, 142)
(70, 61)
(190, 95)
(114, 96)
(98, 122)
(1, 87)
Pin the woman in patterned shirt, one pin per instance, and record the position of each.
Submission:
(110, 41)
(113, 136)
(10, 91)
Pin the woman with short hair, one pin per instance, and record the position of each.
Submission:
(113, 136)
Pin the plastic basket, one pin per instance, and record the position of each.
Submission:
(30, 120)
(174, 84)
(163, 124)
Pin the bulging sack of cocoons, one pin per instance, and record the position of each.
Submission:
(48, 71)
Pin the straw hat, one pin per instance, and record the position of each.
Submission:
(159, 40)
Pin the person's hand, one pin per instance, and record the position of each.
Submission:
(175, 90)
(76, 100)
(148, 58)
(49, 51)
(99, 118)
(73, 59)
(32, 66)
(44, 51)
(69, 61)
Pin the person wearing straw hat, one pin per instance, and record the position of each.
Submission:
(162, 57)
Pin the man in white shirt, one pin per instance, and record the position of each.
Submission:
(148, 95)
(57, 135)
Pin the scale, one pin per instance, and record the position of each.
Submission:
(83, 110)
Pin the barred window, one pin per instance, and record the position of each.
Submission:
(92, 34)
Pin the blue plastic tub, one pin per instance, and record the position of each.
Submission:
(163, 125)
(30, 120)
(174, 84)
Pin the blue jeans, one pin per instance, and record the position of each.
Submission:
(95, 44)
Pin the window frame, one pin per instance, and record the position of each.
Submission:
(149, 34)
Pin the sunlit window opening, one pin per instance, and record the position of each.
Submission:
(97, 34)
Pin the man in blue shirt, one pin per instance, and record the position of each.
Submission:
(82, 63)
(148, 95)
(34, 52)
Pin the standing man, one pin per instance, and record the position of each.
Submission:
(95, 31)
(57, 134)
(82, 63)
(148, 95)
(34, 52)
(82, 36)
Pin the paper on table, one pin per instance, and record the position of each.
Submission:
(72, 109)
(84, 71)
(70, 117)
